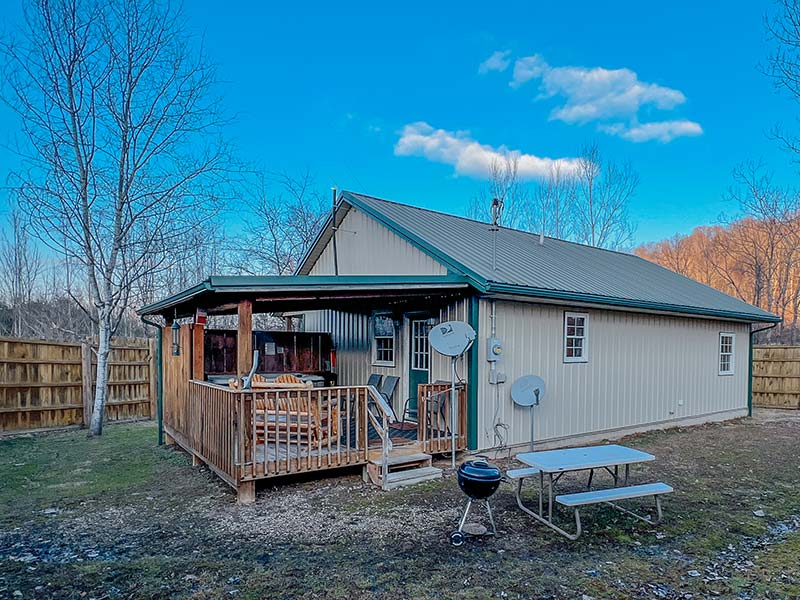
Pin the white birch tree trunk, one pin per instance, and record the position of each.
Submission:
(101, 381)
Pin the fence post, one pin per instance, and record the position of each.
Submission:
(86, 382)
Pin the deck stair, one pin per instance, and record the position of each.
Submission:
(404, 469)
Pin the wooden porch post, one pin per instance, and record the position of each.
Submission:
(244, 339)
(246, 492)
(198, 356)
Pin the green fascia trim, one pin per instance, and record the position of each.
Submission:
(452, 265)
(472, 386)
(156, 307)
(305, 282)
(327, 223)
(577, 297)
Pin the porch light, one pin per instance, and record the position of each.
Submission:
(176, 339)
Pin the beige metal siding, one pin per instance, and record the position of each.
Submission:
(642, 369)
(351, 336)
(365, 247)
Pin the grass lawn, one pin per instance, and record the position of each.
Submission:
(119, 517)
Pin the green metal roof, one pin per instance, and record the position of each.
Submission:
(245, 286)
(554, 270)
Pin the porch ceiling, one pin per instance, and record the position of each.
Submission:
(220, 295)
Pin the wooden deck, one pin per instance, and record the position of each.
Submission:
(257, 434)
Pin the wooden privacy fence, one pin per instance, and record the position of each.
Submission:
(776, 376)
(47, 384)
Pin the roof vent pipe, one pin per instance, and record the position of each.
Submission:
(333, 234)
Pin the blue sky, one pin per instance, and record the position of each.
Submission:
(333, 87)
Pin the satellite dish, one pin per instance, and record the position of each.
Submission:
(451, 338)
(528, 390)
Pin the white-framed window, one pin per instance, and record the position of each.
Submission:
(576, 336)
(727, 347)
(383, 340)
(420, 347)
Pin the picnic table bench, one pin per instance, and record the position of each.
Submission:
(553, 464)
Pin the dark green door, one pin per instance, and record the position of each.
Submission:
(419, 359)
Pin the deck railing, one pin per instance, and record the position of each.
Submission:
(254, 434)
(434, 427)
(212, 422)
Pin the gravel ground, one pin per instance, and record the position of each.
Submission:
(120, 517)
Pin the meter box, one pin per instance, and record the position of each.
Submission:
(494, 349)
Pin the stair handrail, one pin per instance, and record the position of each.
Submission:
(382, 428)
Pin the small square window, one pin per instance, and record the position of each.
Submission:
(727, 343)
(576, 327)
(383, 340)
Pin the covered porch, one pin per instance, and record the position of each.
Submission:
(254, 425)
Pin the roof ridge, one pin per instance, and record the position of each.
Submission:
(471, 220)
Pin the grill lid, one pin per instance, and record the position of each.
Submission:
(480, 470)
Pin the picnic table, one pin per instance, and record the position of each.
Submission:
(553, 464)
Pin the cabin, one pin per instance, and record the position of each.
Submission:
(623, 345)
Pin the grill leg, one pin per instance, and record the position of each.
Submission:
(464, 517)
(491, 518)
(591, 476)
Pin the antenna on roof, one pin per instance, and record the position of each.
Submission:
(497, 211)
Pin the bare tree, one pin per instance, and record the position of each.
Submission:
(603, 191)
(505, 185)
(284, 218)
(21, 267)
(767, 240)
(123, 145)
(783, 63)
(553, 200)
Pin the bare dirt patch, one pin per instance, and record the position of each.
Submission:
(122, 518)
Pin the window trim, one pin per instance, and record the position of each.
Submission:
(414, 351)
(584, 358)
(373, 338)
(732, 353)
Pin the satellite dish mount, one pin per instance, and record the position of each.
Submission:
(527, 392)
(453, 339)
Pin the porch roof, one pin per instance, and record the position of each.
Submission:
(219, 295)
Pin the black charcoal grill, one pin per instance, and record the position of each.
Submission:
(478, 479)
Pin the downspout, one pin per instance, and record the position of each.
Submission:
(159, 379)
(750, 370)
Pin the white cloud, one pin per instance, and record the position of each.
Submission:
(663, 131)
(598, 94)
(498, 61)
(527, 68)
(595, 93)
(468, 156)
